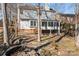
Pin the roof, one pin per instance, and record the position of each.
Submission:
(29, 6)
(30, 12)
(49, 15)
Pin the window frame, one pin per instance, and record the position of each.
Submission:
(50, 23)
(44, 24)
(33, 23)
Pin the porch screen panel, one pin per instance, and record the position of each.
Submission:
(44, 24)
(50, 24)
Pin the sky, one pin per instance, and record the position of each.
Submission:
(67, 8)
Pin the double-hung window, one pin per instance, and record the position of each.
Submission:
(33, 23)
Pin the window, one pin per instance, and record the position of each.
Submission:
(44, 24)
(56, 23)
(33, 23)
(50, 24)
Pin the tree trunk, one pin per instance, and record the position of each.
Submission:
(76, 18)
(39, 31)
(18, 18)
(5, 24)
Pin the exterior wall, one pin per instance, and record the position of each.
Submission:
(24, 24)
(25, 27)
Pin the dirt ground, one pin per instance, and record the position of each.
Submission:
(65, 47)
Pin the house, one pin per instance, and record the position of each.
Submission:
(29, 20)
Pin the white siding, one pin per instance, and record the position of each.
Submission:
(24, 25)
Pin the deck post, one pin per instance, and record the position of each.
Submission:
(58, 28)
(53, 25)
(49, 29)
(50, 32)
(5, 26)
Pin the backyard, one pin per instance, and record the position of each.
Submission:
(38, 30)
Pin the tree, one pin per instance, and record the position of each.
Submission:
(39, 33)
(5, 24)
(76, 24)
